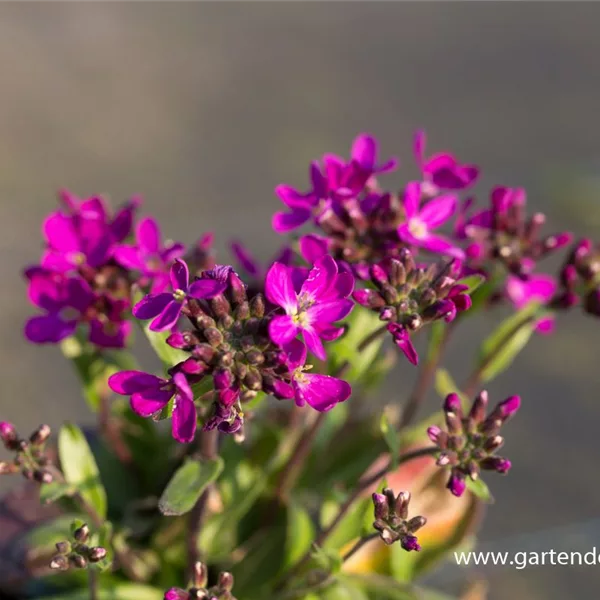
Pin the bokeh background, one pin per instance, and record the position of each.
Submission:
(203, 108)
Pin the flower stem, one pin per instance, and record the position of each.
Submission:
(424, 380)
(363, 484)
(359, 544)
(208, 449)
(93, 584)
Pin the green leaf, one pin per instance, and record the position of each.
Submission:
(380, 587)
(80, 468)
(300, 534)
(51, 492)
(391, 437)
(343, 590)
(158, 339)
(123, 591)
(445, 384)
(187, 485)
(47, 534)
(500, 349)
(328, 560)
(480, 489)
(351, 526)
(95, 367)
(472, 281)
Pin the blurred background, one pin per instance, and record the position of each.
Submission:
(203, 108)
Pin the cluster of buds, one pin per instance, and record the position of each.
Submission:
(407, 297)
(87, 268)
(470, 442)
(392, 522)
(580, 278)
(504, 233)
(199, 589)
(30, 454)
(76, 553)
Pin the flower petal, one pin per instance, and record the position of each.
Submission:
(292, 198)
(320, 278)
(296, 352)
(148, 402)
(438, 211)
(152, 305)
(148, 235)
(128, 257)
(48, 329)
(130, 382)
(419, 142)
(283, 330)
(245, 258)
(180, 275)
(167, 318)
(312, 247)
(109, 335)
(60, 233)
(364, 151)
(329, 312)
(314, 343)
(279, 288)
(283, 222)
(411, 199)
(322, 392)
(206, 288)
(439, 244)
(184, 419)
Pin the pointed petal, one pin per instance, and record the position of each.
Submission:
(329, 334)
(148, 235)
(282, 330)
(439, 244)
(180, 275)
(152, 305)
(184, 419)
(292, 198)
(130, 382)
(283, 222)
(245, 258)
(167, 318)
(438, 211)
(322, 392)
(412, 199)
(279, 288)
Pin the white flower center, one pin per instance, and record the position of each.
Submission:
(418, 228)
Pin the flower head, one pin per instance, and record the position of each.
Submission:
(149, 395)
(321, 301)
(442, 170)
(469, 443)
(421, 221)
(148, 256)
(165, 308)
(392, 522)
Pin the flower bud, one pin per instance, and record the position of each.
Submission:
(40, 435)
(226, 581)
(415, 524)
(81, 534)
(43, 476)
(59, 563)
(7, 468)
(96, 554)
(63, 547)
(213, 336)
(200, 578)
(410, 543)
(8, 434)
(257, 306)
(78, 561)
(382, 509)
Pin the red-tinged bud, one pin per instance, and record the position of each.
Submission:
(40, 435)
(479, 407)
(59, 563)
(9, 436)
(200, 577)
(225, 581)
(382, 509)
(96, 554)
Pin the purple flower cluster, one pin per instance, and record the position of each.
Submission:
(407, 297)
(392, 522)
(87, 268)
(470, 442)
(244, 346)
(360, 223)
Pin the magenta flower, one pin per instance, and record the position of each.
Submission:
(150, 394)
(68, 302)
(165, 308)
(148, 256)
(322, 392)
(321, 301)
(417, 230)
(536, 288)
(364, 153)
(442, 170)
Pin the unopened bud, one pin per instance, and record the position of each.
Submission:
(416, 523)
(96, 554)
(82, 534)
(43, 476)
(59, 563)
(40, 435)
(63, 547)
(78, 561)
(257, 306)
(382, 509)
(200, 575)
(213, 336)
(7, 468)
(226, 581)
(8, 434)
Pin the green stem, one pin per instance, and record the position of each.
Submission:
(359, 544)
(93, 584)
